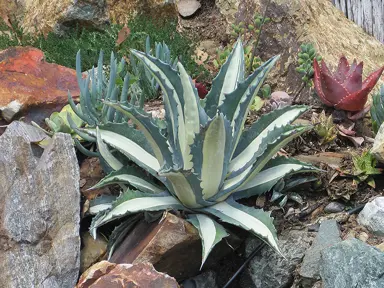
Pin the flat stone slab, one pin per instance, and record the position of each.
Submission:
(352, 263)
(327, 236)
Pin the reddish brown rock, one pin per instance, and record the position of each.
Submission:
(91, 173)
(109, 275)
(31, 87)
(169, 244)
(92, 251)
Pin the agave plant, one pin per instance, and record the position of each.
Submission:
(147, 82)
(377, 110)
(203, 158)
(282, 191)
(344, 89)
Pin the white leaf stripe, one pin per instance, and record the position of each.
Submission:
(108, 157)
(134, 181)
(246, 221)
(242, 112)
(182, 188)
(129, 148)
(137, 205)
(246, 155)
(235, 72)
(178, 126)
(207, 231)
(270, 174)
(93, 210)
(144, 123)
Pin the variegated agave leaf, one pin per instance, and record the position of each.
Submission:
(205, 159)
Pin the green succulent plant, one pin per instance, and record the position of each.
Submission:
(282, 191)
(203, 159)
(147, 83)
(364, 168)
(94, 89)
(222, 55)
(377, 110)
(241, 30)
(263, 94)
(324, 127)
(305, 60)
(58, 122)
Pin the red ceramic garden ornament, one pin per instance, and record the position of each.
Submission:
(344, 89)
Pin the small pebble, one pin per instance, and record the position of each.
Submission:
(260, 201)
(314, 227)
(363, 237)
(380, 247)
(334, 207)
(290, 212)
(83, 182)
(350, 235)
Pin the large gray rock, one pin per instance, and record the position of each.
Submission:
(269, 269)
(39, 211)
(352, 263)
(327, 236)
(372, 216)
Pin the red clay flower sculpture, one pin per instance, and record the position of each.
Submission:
(344, 89)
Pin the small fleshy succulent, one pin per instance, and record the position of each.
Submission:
(306, 57)
(344, 89)
(252, 30)
(222, 55)
(324, 127)
(248, 55)
(263, 95)
(364, 168)
(377, 110)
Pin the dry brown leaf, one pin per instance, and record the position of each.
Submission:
(200, 56)
(123, 35)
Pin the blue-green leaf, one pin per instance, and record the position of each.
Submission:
(132, 202)
(254, 220)
(150, 130)
(130, 176)
(227, 80)
(210, 233)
